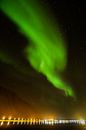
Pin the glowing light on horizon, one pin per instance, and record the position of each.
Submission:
(35, 121)
(14, 120)
(81, 121)
(3, 117)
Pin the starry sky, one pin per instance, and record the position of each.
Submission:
(33, 87)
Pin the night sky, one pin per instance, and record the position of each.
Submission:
(20, 77)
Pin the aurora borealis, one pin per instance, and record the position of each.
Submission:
(47, 51)
(42, 57)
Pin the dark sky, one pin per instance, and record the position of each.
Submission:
(33, 87)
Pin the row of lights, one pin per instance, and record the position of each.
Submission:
(38, 121)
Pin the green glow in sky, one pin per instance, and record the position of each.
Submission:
(46, 52)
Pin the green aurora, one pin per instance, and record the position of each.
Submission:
(47, 52)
